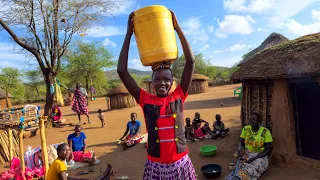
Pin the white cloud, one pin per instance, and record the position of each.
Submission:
(106, 31)
(210, 28)
(262, 30)
(251, 6)
(126, 7)
(277, 11)
(205, 47)
(136, 64)
(193, 28)
(235, 24)
(108, 42)
(233, 48)
(315, 15)
(300, 29)
(225, 61)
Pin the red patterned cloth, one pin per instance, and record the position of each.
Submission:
(79, 102)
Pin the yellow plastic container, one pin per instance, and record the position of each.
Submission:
(155, 36)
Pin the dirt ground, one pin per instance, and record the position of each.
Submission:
(131, 161)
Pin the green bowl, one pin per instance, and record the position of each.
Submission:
(208, 150)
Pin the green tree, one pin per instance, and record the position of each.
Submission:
(86, 61)
(201, 66)
(35, 80)
(9, 79)
(46, 29)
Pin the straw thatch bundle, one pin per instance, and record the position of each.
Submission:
(3, 104)
(150, 89)
(199, 84)
(272, 39)
(120, 98)
(4, 145)
(295, 58)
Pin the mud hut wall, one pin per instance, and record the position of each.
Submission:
(3, 103)
(198, 86)
(318, 80)
(120, 101)
(257, 97)
(283, 131)
(151, 90)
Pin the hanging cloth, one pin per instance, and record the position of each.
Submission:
(58, 94)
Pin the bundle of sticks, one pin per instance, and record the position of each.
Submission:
(4, 145)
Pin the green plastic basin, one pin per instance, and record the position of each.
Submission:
(208, 150)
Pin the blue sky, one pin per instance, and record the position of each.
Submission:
(223, 30)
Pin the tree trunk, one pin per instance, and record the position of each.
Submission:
(91, 95)
(7, 98)
(48, 106)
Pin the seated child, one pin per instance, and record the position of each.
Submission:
(218, 127)
(101, 117)
(188, 130)
(200, 132)
(58, 169)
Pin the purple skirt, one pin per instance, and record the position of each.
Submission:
(179, 170)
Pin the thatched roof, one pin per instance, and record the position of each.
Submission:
(196, 77)
(3, 94)
(119, 89)
(296, 58)
(272, 39)
(149, 80)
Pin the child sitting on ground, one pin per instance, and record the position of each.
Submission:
(101, 117)
(188, 130)
(218, 127)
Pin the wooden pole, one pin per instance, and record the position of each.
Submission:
(10, 145)
(45, 159)
(23, 168)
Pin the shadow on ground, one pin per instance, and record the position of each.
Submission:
(212, 103)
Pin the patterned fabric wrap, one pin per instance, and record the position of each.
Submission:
(251, 171)
(160, 65)
(179, 170)
(131, 141)
(79, 103)
(30, 159)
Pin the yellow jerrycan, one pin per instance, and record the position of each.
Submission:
(155, 36)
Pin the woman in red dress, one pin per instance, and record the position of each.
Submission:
(167, 148)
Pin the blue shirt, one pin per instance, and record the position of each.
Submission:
(134, 127)
(77, 141)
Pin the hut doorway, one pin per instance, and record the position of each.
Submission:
(306, 99)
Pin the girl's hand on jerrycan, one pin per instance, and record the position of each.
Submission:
(130, 25)
(130, 22)
(174, 20)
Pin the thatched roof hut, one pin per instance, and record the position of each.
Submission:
(150, 89)
(120, 98)
(3, 103)
(199, 84)
(282, 83)
(272, 39)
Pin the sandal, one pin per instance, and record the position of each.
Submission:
(80, 173)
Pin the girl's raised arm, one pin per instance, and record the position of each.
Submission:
(187, 73)
(122, 69)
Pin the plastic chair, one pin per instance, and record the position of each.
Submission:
(238, 92)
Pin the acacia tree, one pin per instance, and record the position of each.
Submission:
(44, 29)
(86, 61)
(34, 80)
(9, 78)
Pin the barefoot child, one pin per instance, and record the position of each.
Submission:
(188, 130)
(167, 148)
(218, 127)
(101, 117)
